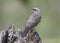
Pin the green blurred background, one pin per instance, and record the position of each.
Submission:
(17, 12)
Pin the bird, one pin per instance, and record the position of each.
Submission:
(21, 36)
(33, 21)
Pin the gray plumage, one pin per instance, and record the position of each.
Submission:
(33, 21)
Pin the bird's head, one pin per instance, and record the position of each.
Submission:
(36, 10)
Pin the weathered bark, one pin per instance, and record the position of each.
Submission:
(9, 36)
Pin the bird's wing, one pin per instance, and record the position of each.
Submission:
(31, 23)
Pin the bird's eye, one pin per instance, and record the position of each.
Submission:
(35, 9)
